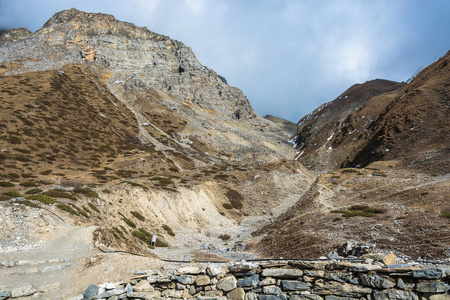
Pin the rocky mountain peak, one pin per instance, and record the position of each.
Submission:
(121, 51)
(96, 24)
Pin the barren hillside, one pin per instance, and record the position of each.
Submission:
(316, 130)
(168, 149)
(387, 182)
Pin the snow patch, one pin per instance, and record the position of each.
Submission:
(299, 155)
(292, 141)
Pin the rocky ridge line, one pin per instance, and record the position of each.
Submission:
(132, 56)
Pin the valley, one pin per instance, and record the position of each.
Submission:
(111, 134)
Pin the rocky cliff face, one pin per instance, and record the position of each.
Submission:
(131, 56)
(152, 75)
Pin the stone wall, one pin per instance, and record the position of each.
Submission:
(308, 280)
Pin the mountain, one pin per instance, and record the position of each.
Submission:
(382, 152)
(111, 125)
(316, 130)
(414, 128)
(138, 66)
(288, 126)
(381, 120)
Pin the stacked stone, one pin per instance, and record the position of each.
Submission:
(300, 280)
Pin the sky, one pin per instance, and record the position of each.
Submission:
(287, 56)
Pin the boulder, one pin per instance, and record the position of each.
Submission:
(363, 268)
(111, 293)
(389, 259)
(305, 297)
(331, 297)
(290, 285)
(23, 291)
(314, 273)
(216, 269)
(333, 255)
(309, 265)
(144, 295)
(185, 279)
(186, 294)
(267, 281)
(272, 297)
(170, 293)
(251, 296)
(340, 289)
(143, 286)
(190, 270)
(242, 267)
(393, 294)
(445, 296)
(434, 273)
(4, 294)
(91, 292)
(282, 273)
(353, 248)
(432, 287)
(202, 280)
(227, 284)
(236, 294)
(404, 286)
(376, 281)
(272, 290)
(249, 281)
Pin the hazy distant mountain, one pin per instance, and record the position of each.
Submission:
(288, 126)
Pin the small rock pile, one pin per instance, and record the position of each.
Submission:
(296, 280)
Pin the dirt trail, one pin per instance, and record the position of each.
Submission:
(48, 267)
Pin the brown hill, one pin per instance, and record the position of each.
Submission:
(135, 64)
(407, 123)
(396, 210)
(65, 121)
(414, 128)
(316, 130)
(397, 196)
